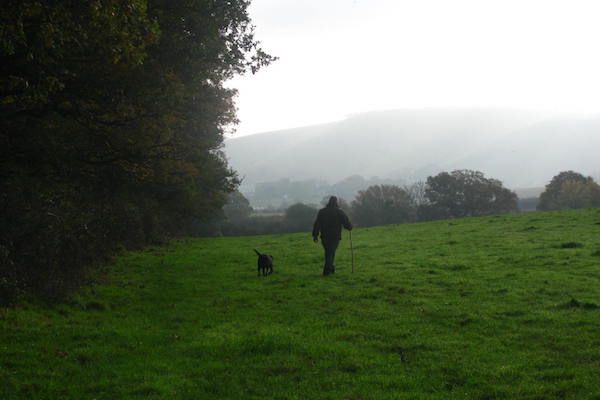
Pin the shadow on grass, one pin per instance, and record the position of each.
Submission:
(574, 303)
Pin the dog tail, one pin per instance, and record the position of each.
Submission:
(257, 252)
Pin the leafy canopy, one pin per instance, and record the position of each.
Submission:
(381, 205)
(464, 193)
(112, 117)
(570, 189)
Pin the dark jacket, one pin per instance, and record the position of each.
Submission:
(329, 223)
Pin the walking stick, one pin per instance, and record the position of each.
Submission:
(351, 251)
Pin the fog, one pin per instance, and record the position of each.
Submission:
(342, 57)
(403, 89)
(523, 149)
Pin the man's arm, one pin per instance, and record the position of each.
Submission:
(346, 221)
(316, 227)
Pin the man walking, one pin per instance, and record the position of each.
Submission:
(329, 223)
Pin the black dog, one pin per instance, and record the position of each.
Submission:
(265, 263)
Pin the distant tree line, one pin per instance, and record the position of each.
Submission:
(285, 192)
(456, 194)
(112, 116)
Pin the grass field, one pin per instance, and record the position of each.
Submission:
(503, 307)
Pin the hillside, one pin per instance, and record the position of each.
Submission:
(522, 149)
(483, 308)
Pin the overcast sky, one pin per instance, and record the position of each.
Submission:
(339, 57)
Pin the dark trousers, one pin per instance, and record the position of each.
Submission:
(330, 247)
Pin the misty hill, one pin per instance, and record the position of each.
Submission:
(523, 149)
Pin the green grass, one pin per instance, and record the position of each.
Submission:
(501, 307)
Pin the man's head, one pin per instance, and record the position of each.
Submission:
(332, 202)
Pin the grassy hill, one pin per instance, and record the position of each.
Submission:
(484, 308)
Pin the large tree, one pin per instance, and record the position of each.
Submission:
(112, 116)
(570, 189)
(382, 205)
(464, 193)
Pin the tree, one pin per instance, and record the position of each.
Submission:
(237, 207)
(112, 116)
(416, 192)
(300, 217)
(570, 189)
(464, 193)
(381, 205)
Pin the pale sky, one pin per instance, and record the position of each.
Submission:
(339, 57)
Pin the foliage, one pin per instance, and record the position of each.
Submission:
(112, 119)
(478, 308)
(570, 189)
(296, 218)
(464, 193)
(255, 225)
(237, 207)
(416, 191)
(300, 217)
(447, 195)
(381, 205)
